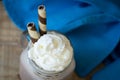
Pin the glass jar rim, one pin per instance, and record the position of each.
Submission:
(41, 70)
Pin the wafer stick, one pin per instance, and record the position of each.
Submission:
(42, 19)
(32, 32)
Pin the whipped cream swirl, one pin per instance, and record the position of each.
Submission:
(52, 52)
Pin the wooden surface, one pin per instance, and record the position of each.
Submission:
(10, 47)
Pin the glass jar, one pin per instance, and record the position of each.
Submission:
(30, 71)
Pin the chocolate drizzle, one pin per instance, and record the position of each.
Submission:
(32, 26)
(42, 32)
(42, 20)
(33, 40)
(41, 7)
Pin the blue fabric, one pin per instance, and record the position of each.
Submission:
(110, 72)
(93, 26)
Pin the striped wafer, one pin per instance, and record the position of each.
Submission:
(42, 19)
(33, 32)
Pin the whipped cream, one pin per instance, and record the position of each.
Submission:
(52, 52)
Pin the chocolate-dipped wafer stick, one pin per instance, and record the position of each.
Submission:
(33, 32)
(42, 19)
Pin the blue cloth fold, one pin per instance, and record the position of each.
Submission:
(110, 72)
(93, 26)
